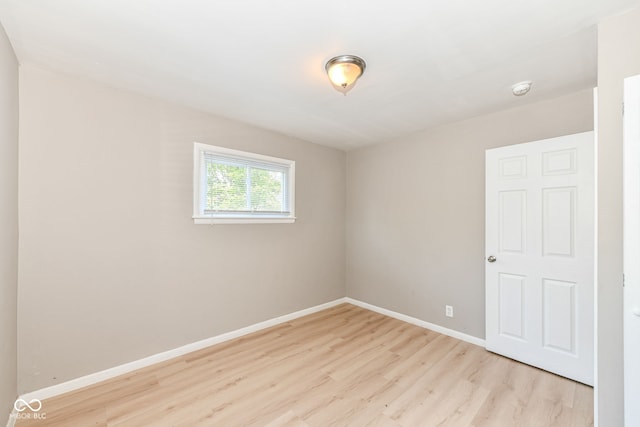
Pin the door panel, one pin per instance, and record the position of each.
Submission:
(512, 306)
(559, 315)
(558, 221)
(514, 167)
(540, 228)
(512, 221)
(560, 162)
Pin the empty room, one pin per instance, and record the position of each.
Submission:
(339, 213)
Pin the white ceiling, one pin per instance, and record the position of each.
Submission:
(262, 62)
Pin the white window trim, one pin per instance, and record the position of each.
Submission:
(198, 155)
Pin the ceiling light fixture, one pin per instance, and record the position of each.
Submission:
(521, 88)
(344, 71)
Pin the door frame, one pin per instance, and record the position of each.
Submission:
(631, 245)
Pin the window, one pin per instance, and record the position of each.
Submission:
(233, 186)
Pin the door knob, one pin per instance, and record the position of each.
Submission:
(491, 258)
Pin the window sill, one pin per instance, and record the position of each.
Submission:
(243, 220)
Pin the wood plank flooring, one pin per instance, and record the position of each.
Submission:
(345, 366)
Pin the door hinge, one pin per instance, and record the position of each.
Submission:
(623, 280)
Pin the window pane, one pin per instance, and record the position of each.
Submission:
(267, 188)
(226, 187)
(235, 187)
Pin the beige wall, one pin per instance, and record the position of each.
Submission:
(618, 57)
(415, 211)
(112, 267)
(8, 224)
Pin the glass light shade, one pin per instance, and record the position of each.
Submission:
(344, 71)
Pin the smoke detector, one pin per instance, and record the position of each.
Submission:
(521, 88)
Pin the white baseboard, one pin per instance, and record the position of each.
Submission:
(431, 326)
(97, 377)
(12, 418)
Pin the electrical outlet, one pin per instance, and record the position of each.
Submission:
(448, 311)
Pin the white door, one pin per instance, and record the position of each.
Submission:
(540, 254)
(632, 251)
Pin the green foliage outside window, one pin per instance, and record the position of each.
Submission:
(243, 188)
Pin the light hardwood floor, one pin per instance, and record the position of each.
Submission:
(344, 366)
